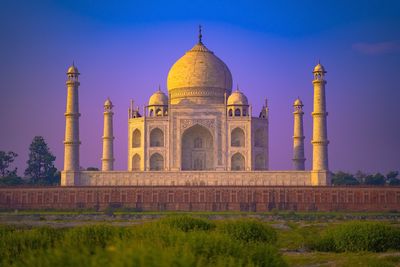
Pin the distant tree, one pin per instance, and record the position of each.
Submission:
(391, 178)
(394, 181)
(92, 169)
(392, 175)
(360, 176)
(11, 180)
(6, 158)
(40, 168)
(8, 175)
(56, 178)
(376, 179)
(343, 178)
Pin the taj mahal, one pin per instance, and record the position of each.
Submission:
(201, 132)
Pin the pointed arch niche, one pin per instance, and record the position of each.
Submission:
(197, 149)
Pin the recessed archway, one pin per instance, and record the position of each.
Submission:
(156, 138)
(237, 137)
(136, 163)
(197, 149)
(259, 138)
(156, 162)
(237, 162)
(260, 162)
(136, 136)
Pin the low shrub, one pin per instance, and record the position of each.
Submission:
(91, 236)
(358, 236)
(14, 241)
(248, 230)
(187, 223)
(148, 244)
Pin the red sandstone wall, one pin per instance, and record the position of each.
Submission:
(203, 198)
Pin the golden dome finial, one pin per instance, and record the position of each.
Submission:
(200, 35)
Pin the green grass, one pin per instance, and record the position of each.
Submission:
(179, 239)
(284, 215)
(342, 259)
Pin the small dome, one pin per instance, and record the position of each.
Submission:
(319, 68)
(298, 102)
(237, 98)
(108, 103)
(73, 70)
(158, 99)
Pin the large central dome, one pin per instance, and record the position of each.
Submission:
(200, 77)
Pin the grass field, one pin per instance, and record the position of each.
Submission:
(199, 239)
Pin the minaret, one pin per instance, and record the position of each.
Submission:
(320, 136)
(71, 142)
(298, 136)
(108, 138)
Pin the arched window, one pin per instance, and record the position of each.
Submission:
(158, 112)
(237, 112)
(156, 138)
(260, 162)
(136, 163)
(230, 113)
(198, 143)
(237, 137)
(259, 138)
(136, 136)
(151, 113)
(156, 162)
(244, 112)
(237, 162)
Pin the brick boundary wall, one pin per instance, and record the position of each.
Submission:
(203, 198)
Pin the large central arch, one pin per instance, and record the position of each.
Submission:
(197, 149)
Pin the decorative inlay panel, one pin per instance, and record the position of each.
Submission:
(187, 123)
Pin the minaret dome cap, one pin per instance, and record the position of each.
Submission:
(298, 102)
(319, 68)
(73, 70)
(108, 103)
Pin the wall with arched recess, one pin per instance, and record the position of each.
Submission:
(197, 149)
(136, 160)
(156, 138)
(156, 162)
(237, 137)
(136, 138)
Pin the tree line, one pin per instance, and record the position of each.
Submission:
(40, 168)
(361, 178)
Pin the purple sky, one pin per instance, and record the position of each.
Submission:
(126, 51)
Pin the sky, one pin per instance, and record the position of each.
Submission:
(125, 50)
